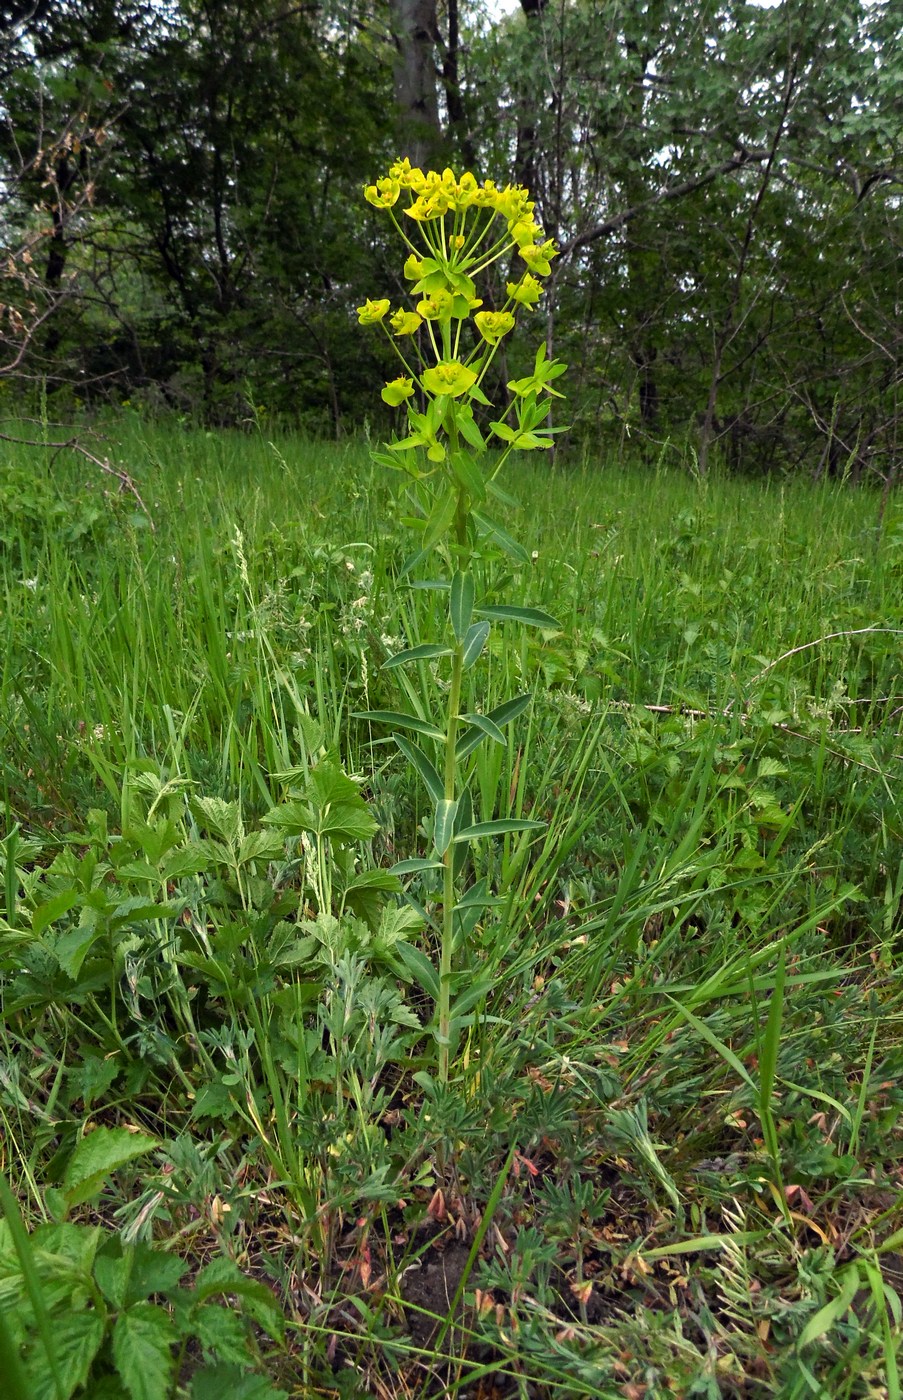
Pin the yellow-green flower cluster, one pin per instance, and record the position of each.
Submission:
(456, 222)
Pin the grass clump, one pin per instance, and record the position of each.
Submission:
(667, 1157)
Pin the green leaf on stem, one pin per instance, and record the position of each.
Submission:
(473, 643)
(421, 764)
(420, 968)
(488, 726)
(461, 603)
(498, 828)
(440, 518)
(427, 652)
(530, 617)
(496, 535)
(468, 473)
(510, 709)
(444, 825)
(401, 721)
(414, 866)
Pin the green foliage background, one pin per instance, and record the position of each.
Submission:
(724, 181)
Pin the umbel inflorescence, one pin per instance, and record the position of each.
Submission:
(454, 230)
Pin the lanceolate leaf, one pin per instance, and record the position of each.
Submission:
(461, 603)
(414, 866)
(510, 709)
(444, 825)
(488, 726)
(420, 968)
(530, 617)
(474, 642)
(441, 517)
(421, 764)
(492, 531)
(502, 714)
(427, 652)
(497, 828)
(401, 721)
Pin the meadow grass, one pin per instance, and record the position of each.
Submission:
(669, 1158)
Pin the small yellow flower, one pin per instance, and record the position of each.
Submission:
(513, 203)
(372, 312)
(414, 268)
(524, 231)
(486, 196)
(466, 190)
(527, 291)
(397, 390)
(492, 325)
(538, 256)
(405, 322)
(438, 307)
(383, 194)
(410, 177)
(449, 377)
(424, 208)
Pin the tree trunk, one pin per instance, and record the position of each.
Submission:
(414, 31)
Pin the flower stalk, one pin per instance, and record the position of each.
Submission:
(458, 229)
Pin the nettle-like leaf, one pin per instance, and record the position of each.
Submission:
(144, 1338)
(96, 1157)
(332, 806)
(222, 818)
(77, 1338)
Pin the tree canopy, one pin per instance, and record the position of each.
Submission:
(182, 218)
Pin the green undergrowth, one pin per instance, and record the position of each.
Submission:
(668, 1159)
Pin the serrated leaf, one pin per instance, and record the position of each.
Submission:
(228, 1382)
(530, 617)
(293, 817)
(222, 1333)
(401, 721)
(347, 823)
(96, 1156)
(222, 1276)
(444, 824)
(397, 920)
(143, 1338)
(73, 947)
(112, 1275)
(77, 1338)
(473, 643)
(260, 845)
(428, 651)
(460, 605)
(54, 909)
(497, 828)
(154, 1271)
(222, 818)
(422, 765)
(190, 859)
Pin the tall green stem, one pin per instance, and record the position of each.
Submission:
(448, 858)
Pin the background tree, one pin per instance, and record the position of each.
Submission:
(724, 181)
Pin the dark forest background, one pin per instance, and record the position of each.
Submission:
(182, 225)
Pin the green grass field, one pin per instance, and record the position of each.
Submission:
(668, 1161)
